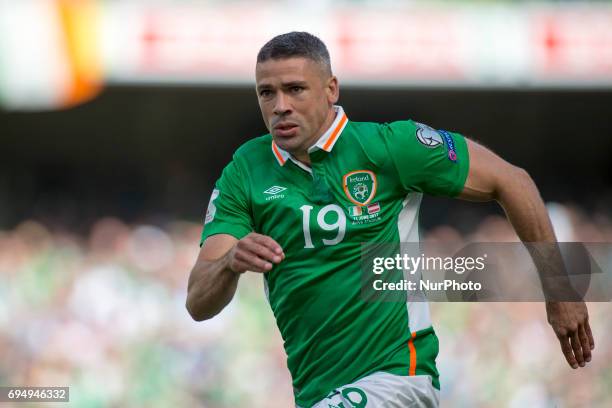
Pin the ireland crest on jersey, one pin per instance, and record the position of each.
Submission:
(359, 186)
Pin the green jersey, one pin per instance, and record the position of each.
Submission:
(364, 184)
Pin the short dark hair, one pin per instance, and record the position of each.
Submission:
(296, 44)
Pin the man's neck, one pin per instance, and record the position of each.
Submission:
(303, 156)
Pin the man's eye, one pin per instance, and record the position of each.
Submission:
(265, 93)
(296, 89)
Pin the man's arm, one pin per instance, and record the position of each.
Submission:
(492, 178)
(221, 261)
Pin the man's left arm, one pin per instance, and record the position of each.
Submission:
(492, 178)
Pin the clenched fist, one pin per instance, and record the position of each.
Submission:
(256, 253)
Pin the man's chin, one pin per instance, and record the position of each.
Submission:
(288, 144)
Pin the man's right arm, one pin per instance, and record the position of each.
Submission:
(221, 261)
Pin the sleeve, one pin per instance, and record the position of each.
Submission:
(430, 161)
(228, 209)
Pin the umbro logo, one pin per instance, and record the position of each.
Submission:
(275, 190)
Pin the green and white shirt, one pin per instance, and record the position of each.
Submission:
(364, 184)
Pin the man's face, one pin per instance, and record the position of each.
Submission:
(295, 96)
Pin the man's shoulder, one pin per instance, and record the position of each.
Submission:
(374, 140)
(255, 148)
(360, 127)
(368, 129)
(376, 136)
(362, 132)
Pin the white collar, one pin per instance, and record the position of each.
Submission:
(326, 141)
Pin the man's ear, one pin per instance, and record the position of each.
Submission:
(333, 90)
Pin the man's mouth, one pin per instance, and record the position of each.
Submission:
(285, 129)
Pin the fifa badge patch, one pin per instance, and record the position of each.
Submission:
(211, 210)
(359, 186)
(427, 136)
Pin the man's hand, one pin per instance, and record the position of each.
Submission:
(570, 321)
(222, 258)
(256, 253)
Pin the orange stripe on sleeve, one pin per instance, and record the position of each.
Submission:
(413, 355)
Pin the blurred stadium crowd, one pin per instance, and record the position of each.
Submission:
(100, 306)
(105, 315)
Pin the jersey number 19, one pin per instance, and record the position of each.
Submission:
(339, 225)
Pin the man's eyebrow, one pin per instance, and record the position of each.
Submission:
(263, 85)
(289, 84)
(294, 83)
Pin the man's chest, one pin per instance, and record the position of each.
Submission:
(325, 204)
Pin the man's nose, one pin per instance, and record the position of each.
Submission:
(281, 105)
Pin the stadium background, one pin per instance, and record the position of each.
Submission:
(106, 168)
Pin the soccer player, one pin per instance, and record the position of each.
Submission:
(296, 204)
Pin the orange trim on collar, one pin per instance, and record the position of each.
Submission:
(335, 133)
(278, 155)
